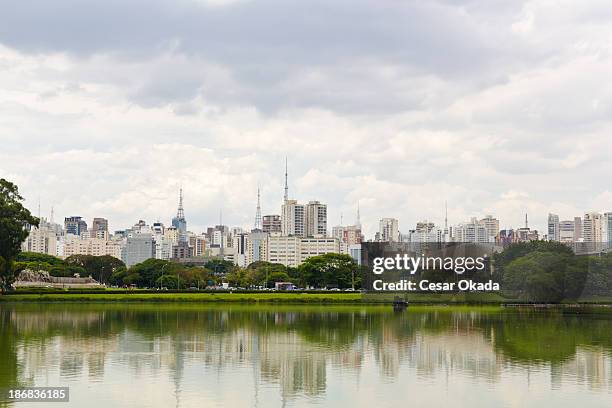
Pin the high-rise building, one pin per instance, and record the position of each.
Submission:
(99, 228)
(293, 250)
(553, 228)
(577, 229)
(240, 247)
(473, 232)
(284, 249)
(257, 247)
(608, 228)
(138, 248)
(41, 239)
(179, 221)
(91, 246)
(197, 243)
(566, 231)
(75, 225)
(347, 236)
(388, 230)
(316, 219)
(491, 224)
(293, 219)
(271, 223)
(592, 227)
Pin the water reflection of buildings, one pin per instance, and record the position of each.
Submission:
(277, 354)
(590, 366)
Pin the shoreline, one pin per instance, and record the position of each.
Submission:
(467, 298)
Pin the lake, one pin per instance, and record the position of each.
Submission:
(231, 355)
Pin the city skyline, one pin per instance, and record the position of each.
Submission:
(541, 225)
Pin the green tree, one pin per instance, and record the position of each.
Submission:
(219, 266)
(329, 270)
(14, 222)
(101, 268)
(145, 274)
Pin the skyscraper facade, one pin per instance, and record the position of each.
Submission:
(75, 225)
(292, 218)
(271, 223)
(553, 228)
(316, 219)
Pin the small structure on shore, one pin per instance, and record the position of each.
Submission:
(399, 304)
(284, 286)
(36, 279)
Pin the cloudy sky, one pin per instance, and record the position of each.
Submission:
(501, 107)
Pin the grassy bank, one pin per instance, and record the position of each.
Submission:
(311, 298)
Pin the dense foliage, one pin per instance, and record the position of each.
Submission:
(542, 271)
(98, 267)
(157, 273)
(14, 220)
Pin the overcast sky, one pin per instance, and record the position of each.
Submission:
(501, 107)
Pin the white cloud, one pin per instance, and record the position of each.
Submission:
(500, 110)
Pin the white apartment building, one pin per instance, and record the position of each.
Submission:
(313, 246)
(472, 232)
(41, 239)
(388, 230)
(491, 224)
(163, 247)
(592, 224)
(293, 220)
(316, 219)
(91, 246)
(284, 249)
(292, 250)
(172, 234)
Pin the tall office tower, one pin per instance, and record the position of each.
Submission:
(179, 221)
(553, 228)
(257, 247)
(577, 229)
(75, 225)
(388, 230)
(491, 225)
(591, 227)
(138, 248)
(608, 228)
(99, 228)
(271, 223)
(292, 218)
(316, 219)
(566, 231)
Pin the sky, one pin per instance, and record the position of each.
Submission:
(497, 107)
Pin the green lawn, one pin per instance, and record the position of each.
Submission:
(351, 298)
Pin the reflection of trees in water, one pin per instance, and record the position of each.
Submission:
(8, 354)
(293, 347)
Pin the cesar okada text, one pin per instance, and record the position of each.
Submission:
(459, 265)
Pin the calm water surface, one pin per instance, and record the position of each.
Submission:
(159, 355)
